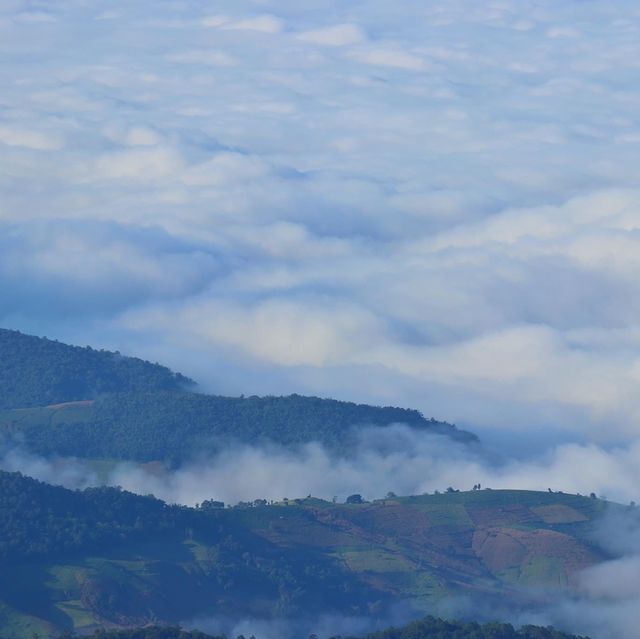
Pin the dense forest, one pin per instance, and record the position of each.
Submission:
(131, 559)
(38, 519)
(432, 628)
(427, 628)
(61, 400)
(37, 372)
(171, 426)
(150, 632)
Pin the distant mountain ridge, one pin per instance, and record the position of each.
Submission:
(71, 401)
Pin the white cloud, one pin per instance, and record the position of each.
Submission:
(142, 136)
(394, 458)
(34, 17)
(136, 164)
(262, 24)
(226, 169)
(285, 332)
(391, 57)
(215, 21)
(30, 139)
(209, 57)
(338, 35)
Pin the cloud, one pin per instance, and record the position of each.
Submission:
(262, 24)
(391, 57)
(147, 164)
(395, 458)
(35, 140)
(338, 35)
(207, 57)
(56, 268)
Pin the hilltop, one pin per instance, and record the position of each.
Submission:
(35, 371)
(104, 556)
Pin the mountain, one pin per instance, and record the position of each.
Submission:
(83, 559)
(69, 401)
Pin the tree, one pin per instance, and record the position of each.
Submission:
(211, 504)
(355, 499)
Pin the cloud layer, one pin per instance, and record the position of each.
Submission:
(436, 207)
(394, 458)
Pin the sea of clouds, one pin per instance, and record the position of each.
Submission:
(434, 205)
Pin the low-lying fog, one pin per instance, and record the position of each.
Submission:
(394, 458)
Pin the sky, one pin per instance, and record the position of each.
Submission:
(433, 204)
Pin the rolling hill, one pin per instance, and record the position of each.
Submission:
(79, 560)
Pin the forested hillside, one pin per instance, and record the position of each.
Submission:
(427, 628)
(69, 401)
(110, 557)
(150, 632)
(37, 519)
(173, 426)
(432, 628)
(37, 372)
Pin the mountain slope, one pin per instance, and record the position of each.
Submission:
(36, 371)
(59, 400)
(153, 562)
(174, 426)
